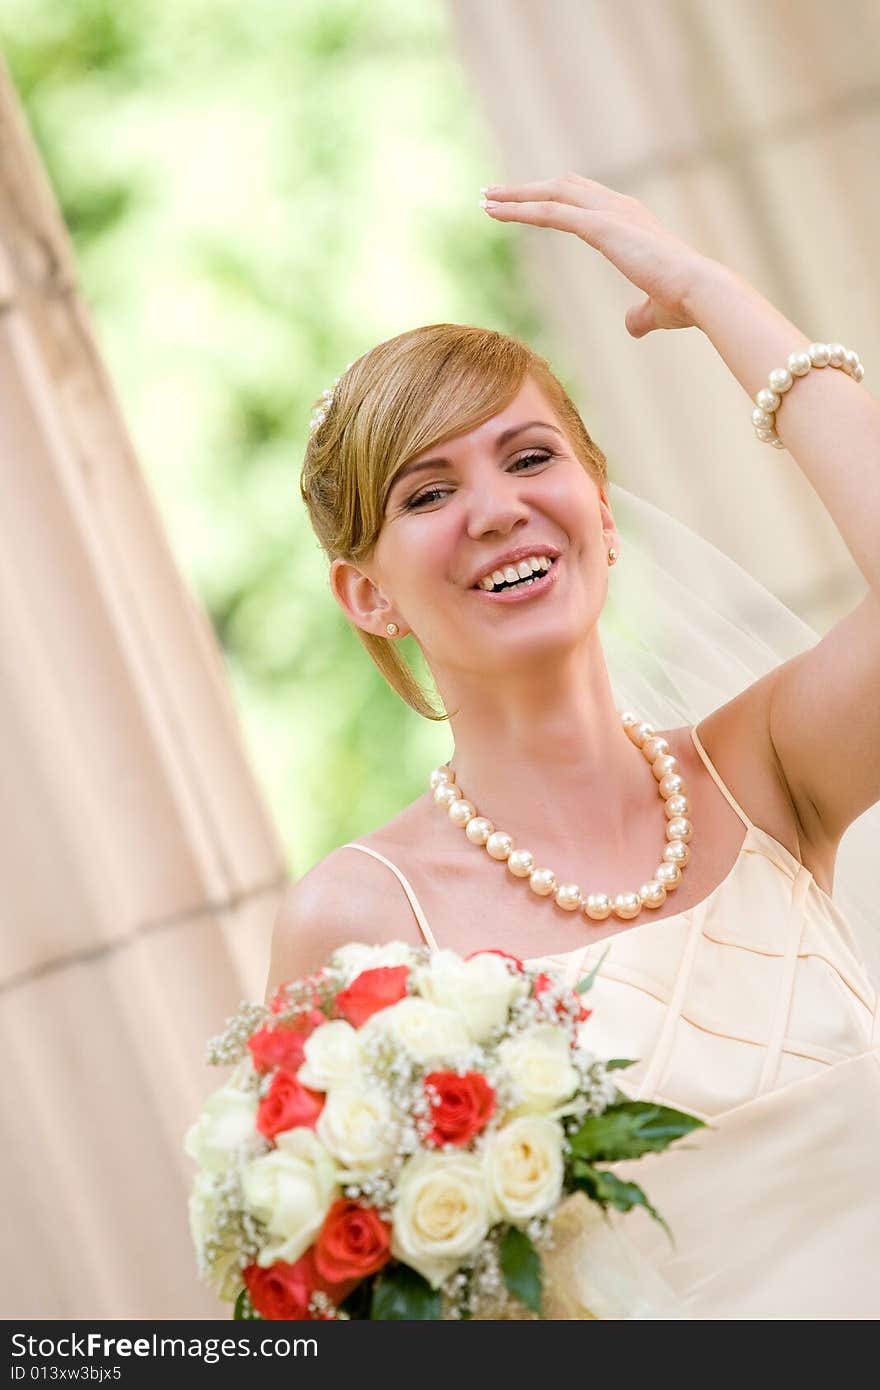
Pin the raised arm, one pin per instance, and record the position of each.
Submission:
(820, 713)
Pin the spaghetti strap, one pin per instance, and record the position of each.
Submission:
(717, 777)
(407, 888)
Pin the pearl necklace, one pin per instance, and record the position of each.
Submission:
(543, 882)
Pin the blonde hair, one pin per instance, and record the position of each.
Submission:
(406, 395)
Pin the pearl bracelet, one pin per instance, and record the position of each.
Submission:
(781, 379)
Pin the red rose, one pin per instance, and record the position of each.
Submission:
(543, 982)
(462, 1106)
(283, 1046)
(284, 1290)
(505, 955)
(354, 1242)
(288, 1104)
(371, 991)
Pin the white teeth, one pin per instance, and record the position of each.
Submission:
(522, 572)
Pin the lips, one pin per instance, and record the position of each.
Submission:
(525, 593)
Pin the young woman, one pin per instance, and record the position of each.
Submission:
(461, 500)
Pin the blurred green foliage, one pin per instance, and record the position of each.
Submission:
(256, 194)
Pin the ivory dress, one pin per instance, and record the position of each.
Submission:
(753, 1010)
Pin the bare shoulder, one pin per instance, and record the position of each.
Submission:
(737, 738)
(346, 896)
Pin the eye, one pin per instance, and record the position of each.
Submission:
(432, 494)
(533, 458)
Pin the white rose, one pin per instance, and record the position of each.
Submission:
(480, 991)
(540, 1065)
(227, 1121)
(291, 1190)
(358, 956)
(424, 1029)
(441, 1215)
(524, 1167)
(332, 1056)
(355, 1125)
(223, 1270)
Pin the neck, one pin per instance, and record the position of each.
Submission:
(543, 754)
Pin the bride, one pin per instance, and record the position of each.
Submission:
(461, 500)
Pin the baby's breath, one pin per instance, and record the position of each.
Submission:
(478, 1288)
(234, 1238)
(296, 999)
(375, 1189)
(231, 1045)
(322, 1306)
(540, 1230)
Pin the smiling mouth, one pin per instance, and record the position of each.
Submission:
(523, 589)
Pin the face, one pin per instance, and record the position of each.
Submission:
(510, 489)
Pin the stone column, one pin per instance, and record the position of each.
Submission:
(140, 869)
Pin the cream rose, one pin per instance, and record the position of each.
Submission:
(441, 1215)
(227, 1121)
(480, 990)
(524, 1167)
(540, 1066)
(358, 956)
(332, 1056)
(424, 1029)
(290, 1189)
(356, 1126)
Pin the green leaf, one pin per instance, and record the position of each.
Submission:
(618, 1063)
(629, 1129)
(609, 1190)
(583, 985)
(521, 1267)
(244, 1308)
(402, 1295)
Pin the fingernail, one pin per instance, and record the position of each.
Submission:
(485, 189)
(488, 203)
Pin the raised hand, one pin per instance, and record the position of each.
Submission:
(625, 232)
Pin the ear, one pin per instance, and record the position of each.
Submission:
(361, 599)
(609, 527)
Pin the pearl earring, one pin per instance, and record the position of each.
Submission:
(612, 556)
(392, 629)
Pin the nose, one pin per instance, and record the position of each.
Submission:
(496, 506)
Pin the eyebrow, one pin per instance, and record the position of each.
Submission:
(503, 438)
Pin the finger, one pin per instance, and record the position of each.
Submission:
(541, 214)
(567, 188)
(640, 319)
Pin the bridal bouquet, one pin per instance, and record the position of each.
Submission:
(399, 1135)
